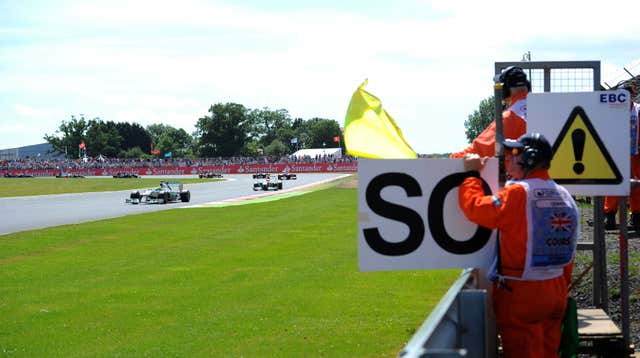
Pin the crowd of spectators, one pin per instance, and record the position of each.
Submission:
(105, 163)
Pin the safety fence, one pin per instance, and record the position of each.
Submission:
(459, 326)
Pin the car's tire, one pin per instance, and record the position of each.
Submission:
(280, 186)
(165, 198)
(185, 196)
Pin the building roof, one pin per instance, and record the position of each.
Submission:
(41, 151)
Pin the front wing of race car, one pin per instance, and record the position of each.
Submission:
(148, 198)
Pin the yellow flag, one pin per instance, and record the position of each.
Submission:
(370, 132)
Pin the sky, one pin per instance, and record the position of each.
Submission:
(430, 62)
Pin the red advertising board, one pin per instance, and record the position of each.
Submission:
(223, 169)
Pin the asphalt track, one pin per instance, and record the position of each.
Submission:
(36, 212)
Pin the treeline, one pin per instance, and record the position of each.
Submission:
(229, 129)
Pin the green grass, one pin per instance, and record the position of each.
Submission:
(51, 185)
(276, 279)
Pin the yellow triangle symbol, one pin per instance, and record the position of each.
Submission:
(579, 156)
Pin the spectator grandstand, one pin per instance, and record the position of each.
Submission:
(239, 164)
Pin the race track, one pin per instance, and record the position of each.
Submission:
(36, 212)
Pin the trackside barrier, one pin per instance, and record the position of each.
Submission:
(347, 167)
(459, 326)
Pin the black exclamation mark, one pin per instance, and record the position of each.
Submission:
(577, 138)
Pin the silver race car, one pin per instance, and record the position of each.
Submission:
(167, 192)
(268, 183)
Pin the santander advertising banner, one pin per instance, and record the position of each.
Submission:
(222, 169)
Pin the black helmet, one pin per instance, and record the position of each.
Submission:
(535, 150)
(512, 76)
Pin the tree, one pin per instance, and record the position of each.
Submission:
(297, 124)
(68, 136)
(267, 125)
(480, 119)
(296, 131)
(134, 135)
(103, 138)
(225, 132)
(117, 139)
(168, 139)
(284, 136)
(275, 148)
(133, 153)
(320, 133)
(251, 148)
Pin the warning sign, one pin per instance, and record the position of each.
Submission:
(590, 134)
(580, 156)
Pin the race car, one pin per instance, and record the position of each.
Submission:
(167, 192)
(260, 175)
(267, 184)
(9, 175)
(287, 176)
(120, 175)
(209, 175)
(69, 175)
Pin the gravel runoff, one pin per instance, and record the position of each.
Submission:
(583, 292)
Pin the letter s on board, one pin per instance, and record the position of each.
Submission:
(395, 212)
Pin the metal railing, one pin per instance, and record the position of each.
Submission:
(459, 326)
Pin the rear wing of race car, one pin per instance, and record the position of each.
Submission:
(174, 185)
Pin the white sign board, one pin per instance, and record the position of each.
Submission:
(409, 217)
(589, 133)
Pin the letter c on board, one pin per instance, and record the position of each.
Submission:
(436, 219)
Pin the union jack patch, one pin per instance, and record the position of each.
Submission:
(561, 221)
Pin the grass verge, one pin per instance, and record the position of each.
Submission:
(263, 280)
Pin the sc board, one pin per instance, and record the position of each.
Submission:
(409, 218)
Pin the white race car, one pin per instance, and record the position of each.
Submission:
(165, 193)
(268, 183)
